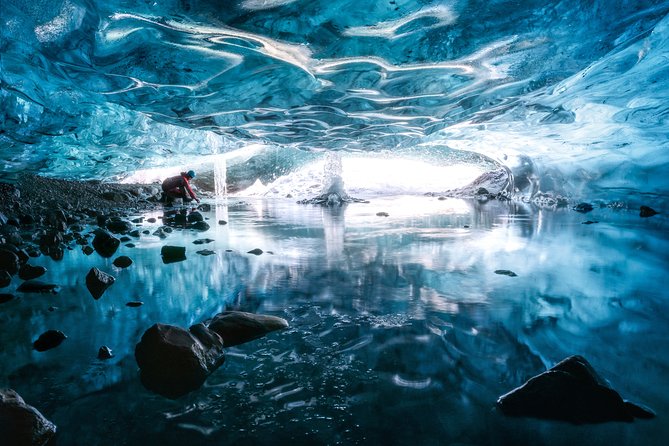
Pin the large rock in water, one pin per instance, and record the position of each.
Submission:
(21, 424)
(174, 361)
(105, 243)
(98, 281)
(570, 391)
(238, 327)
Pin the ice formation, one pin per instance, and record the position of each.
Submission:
(569, 97)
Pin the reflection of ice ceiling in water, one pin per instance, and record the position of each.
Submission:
(101, 89)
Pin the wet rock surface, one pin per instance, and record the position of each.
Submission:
(645, 212)
(98, 281)
(174, 361)
(37, 286)
(48, 340)
(171, 254)
(22, 424)
(570, 391)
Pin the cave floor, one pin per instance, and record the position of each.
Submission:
(401, 330)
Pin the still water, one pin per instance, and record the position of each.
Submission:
(400, 330)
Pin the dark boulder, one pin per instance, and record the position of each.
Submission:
(134, 303)
(37, 286)
(9, 261)
(118, 226)
(505, 272)
(87, 250)
(21, 424)
(646, 212)
(195, 216)
(204, 207)
(570, 391)
(28, 272)
(222, 222)
(122, 262)
(202, 241)
(51, 238)
(5, 278)
(5, 297)
(97, 282)
(174, 361)
(171, 254)
(48, 340)
(255, 252)
(238, 327)
(105, 353)
(104, 243)
(205, 252)
(583, 208)
(200, 226)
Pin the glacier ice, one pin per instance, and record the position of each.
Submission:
(570, 97)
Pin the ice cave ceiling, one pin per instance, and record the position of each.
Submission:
(577, 89)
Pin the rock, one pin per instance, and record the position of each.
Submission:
(21, 424)
(238, 327)
(134, 303)
(205, 252)
(5, 297)
(118, 226)
(28, 272)
(159, 233)
(48, 340)
(222, 222)
(105, 353)
(583, 208)
(570, 391)
(174, 361)
(5, 279)
(195, 216)
(180, 219)
(202, 241)
(51, 238)
(505, 272)
(104, 243)
(135, 233)
(589, 222)
(122, 262)
(204, 207)
(88, 250)
(97, 282)
(482, 191)
(130, 245)
(138, 220)
(382, 214)
(151, 220)
(37, 286)
(256, 251)
(199, 226)
(645, 212)
(171, 254)
(9, 261)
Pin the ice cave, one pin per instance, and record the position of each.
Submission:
(418, 222)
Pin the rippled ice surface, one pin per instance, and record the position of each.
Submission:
(400, 330)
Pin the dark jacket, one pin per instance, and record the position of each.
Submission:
(179, 182)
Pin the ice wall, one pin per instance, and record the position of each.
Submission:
(571, 94)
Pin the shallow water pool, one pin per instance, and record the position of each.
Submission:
(400, 330)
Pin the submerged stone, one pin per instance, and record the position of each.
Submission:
(122, 262)
(105, 353)
(22, 424)
(505, 272)
(172, 254)
(37, 286)
(48, 340)
(98, 281)
(570, 391)
(256, 251)
(199, 226)
(222, 222)
(173, 362)
(238, 327)
(134, 303)
(104, 243)
(646, 212)
(583, 208)
(205, 252)
(28, 272)
(202, 241)
(6, 297)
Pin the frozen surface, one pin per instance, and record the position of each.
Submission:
(400, 330)
(573, 93)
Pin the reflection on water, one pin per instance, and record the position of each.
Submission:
(401, 332)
